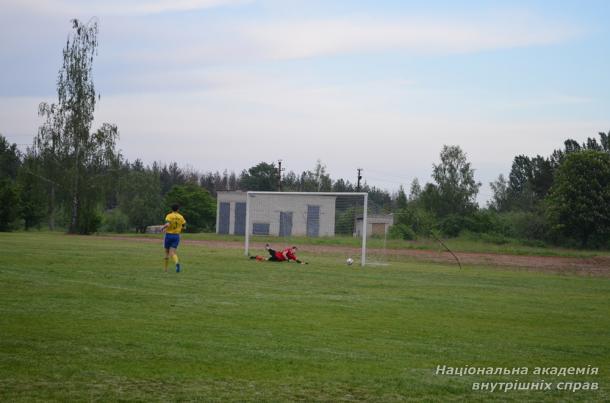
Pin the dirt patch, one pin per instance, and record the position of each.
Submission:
(596, 266)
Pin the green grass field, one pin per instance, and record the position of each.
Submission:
(97, 319)
(463, 243)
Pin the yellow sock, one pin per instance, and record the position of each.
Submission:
(175, 257)
(165, 261)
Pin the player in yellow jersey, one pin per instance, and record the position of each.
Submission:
(174, 224)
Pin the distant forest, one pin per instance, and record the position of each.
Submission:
(562, 199)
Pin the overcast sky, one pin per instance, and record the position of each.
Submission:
(380, 85)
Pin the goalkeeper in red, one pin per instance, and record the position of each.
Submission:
(174, 224)
(285, 255)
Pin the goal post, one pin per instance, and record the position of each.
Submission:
(307, 214)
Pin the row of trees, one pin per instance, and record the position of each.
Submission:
(567, 193)
(121, 195)
(562, 199)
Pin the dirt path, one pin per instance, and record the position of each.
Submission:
(596, 266)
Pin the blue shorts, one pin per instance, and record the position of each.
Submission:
(171, 241)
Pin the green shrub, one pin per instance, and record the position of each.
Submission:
(526, 225)
(402, 231)
(419, 221)
(115, 221)
(453, 224)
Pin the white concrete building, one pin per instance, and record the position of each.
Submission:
(276, 214)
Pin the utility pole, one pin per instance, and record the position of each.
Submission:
(359, 177)
(279, 175)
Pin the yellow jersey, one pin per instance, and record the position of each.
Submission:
(175, 223)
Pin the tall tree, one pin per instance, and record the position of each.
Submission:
(579, 202)
(530, 180)
(171, 176)
(414, 190)
(342, 185)
(46, 149)
(9, 159)
(499, 200)
(9, 193)
(401, 199)
(316, 180)
(233, 183)
(141, 197)
(9, 204)
(380, 200)
(290, 182)
(455, 182)
(604, 140)
(78, 156)
(261, 177)
(322, 178)
(520, 195)
(32, 192)
(571, 146)
(206, 181)
(196, 204)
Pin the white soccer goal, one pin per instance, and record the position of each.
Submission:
(308, 214)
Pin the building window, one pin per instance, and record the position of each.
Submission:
(260, 228)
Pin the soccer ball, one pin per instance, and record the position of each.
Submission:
(349, 261)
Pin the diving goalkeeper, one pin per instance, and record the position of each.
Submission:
(286, 255)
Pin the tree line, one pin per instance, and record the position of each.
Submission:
(73, 177)
(121, 196)
(562, 199)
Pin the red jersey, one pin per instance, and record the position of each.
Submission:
(279, 256)
(289, 254)
(286, 254)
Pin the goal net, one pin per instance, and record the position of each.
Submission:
(336, 223)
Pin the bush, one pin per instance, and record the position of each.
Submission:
(496, 239)
(526, 225)
(453, 224)
(419, 221)
(90, 221)
(488, 222)
(115, 221)
(499, 227)
(402, 231)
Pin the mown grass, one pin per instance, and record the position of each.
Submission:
(463, 243)
(97, 319)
